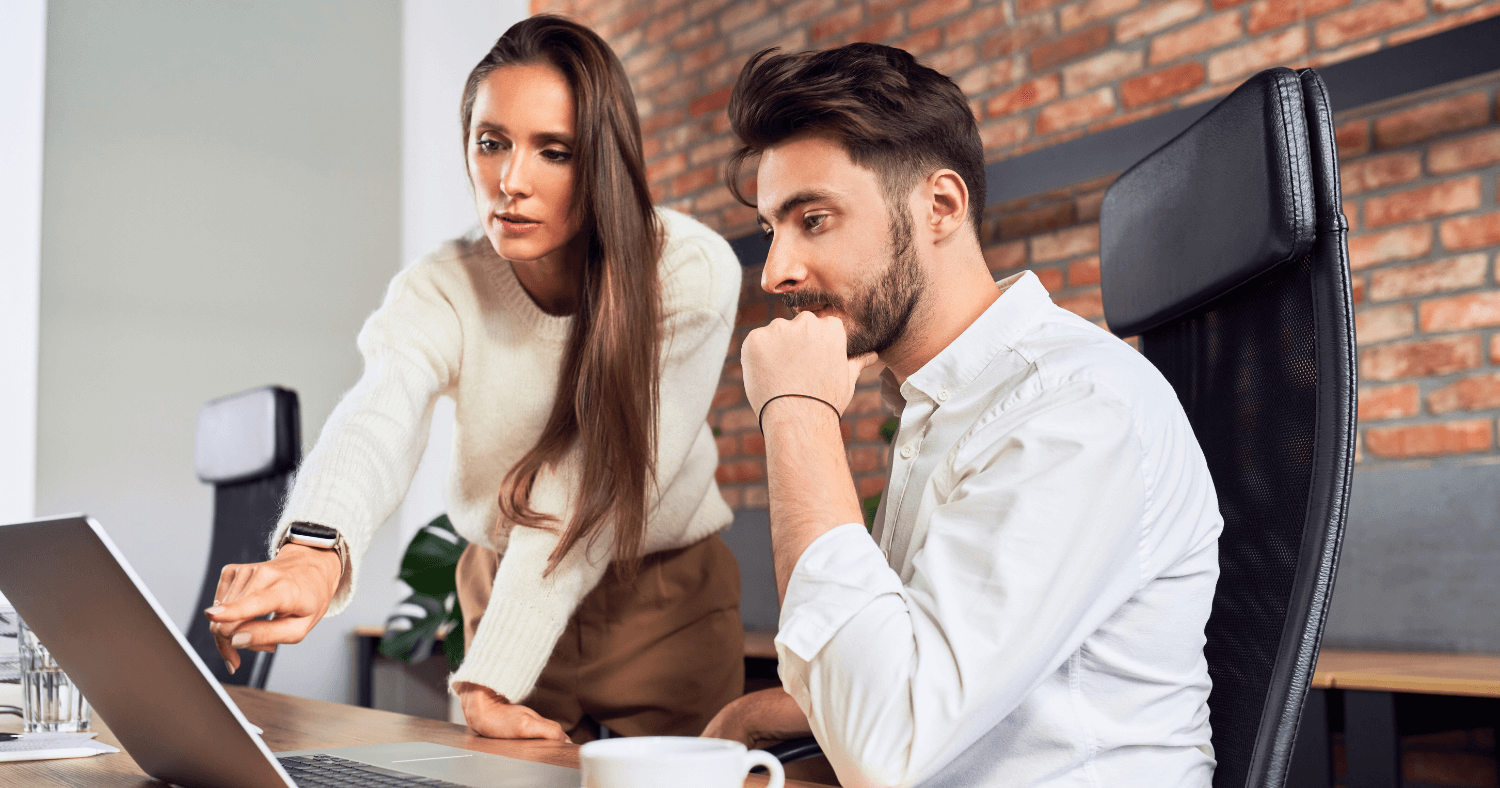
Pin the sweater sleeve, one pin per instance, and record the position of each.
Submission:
(365, 458)
(527, 612)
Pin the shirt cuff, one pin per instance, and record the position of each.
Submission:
(835, 578)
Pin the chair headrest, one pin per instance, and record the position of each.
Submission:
(247, 435)
(1224, 201)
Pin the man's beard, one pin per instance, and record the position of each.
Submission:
(876, 318)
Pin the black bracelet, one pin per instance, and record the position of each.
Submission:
(760, 418)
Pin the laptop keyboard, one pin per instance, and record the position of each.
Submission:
(314, 771)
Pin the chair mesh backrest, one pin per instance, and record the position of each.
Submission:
(1264, 371)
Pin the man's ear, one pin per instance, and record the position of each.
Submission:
(950, 203)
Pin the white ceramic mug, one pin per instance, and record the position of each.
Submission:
(673, 762)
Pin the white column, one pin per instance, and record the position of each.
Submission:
(23, 39)
(441, 41)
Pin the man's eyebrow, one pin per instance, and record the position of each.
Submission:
(800, 198)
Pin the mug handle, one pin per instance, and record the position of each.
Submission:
(755, 758)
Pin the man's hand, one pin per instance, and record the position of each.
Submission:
(760, 719)
(490, 715)
(804, 355)
(296, 586)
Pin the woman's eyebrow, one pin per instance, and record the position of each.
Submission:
(540, 138)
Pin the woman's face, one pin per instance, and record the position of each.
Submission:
(521, 161)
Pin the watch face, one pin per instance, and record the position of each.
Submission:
(314, 531)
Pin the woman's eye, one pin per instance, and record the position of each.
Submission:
(552, 154)
(489, 145)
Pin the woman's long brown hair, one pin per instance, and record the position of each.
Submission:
(608, 386)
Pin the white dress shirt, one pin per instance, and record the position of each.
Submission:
(1030, 611)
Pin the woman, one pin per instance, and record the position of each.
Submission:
(581, 337)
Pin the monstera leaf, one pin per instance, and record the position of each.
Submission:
(429, 567)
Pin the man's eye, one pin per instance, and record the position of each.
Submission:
(813, 221)
(766, 233)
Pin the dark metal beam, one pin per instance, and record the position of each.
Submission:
(1463, 52)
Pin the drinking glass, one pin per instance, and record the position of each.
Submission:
(50, 703)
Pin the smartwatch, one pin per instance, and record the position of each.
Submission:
(312, 535)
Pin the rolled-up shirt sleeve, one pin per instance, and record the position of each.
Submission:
(1035, 543)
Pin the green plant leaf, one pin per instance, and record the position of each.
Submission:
(870, 504)
(889, 427)
(431, 559)
(453, 642)
(412, 629)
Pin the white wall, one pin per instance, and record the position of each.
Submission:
(221, 207)
(23, 35)
(441, 40)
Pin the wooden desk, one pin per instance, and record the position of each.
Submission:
(292, 723)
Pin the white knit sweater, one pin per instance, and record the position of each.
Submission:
(459, 324)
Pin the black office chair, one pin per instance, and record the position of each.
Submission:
(248, 444)
(1224, 251)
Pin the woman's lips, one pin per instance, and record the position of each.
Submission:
(515, 224)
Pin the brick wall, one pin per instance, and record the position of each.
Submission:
(1420, 179)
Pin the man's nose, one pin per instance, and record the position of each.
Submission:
(785, 269)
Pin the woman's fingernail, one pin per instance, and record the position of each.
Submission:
(215, 610)
(240, 639)
(229, 667)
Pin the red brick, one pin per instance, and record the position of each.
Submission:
(665, 26)
(1351, 212)
(1081, 13)
(729, 394)
(1270, 14)
(1330, 56)
(756, 497)
(1432, 119)
(1220, 5)
(659, 121)
(718, 99)
(864, 459)
(992, 74)
(728, 445)
(690, 182)
(1209, 33)
(1024, 96)
(1067, 243)
(1032, 6)
(1471, 232)
(1089, 305)
(1035, 220)
(1378, 172)
(870, 485)
(1083, 272)
(877, 32)
(706, 8)
(1445, 22)
(1161, 84)
(732, 497)
(1454, 273)
(1006, 256)
(693, 62)
(1429, 440)
(1462, 312)
(1378, 324)
(753, 444)
(1495, 349)
(1400, 243)
(1155, 17)
(1088, 205)
(1278, 49)
(806, 10)
(1353, 138)
(953, 60)
(1101, 69)
(921, 43)
(925, 13)
(1480, 392)
(1466, 153)
(1051, 278)
(1013, 38)
(693, 36)
(864, 401)
(1357, 289)
(740, 13)
(868, 428)
(738, 420)
(740, 471)
(1003, 134)
(1069, 47)
(1389, 402)
(1425, 202)
(755, 34)
(667, 167)
(1075, 112)
(1420, 358)
(1368, 19)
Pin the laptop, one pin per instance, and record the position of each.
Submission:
(78, 593)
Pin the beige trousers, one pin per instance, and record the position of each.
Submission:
(657, 655)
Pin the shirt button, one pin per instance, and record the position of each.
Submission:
(907, 451)
(942, 395)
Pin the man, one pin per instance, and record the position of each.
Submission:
(1030, 610)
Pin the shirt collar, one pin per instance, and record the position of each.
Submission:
(957, 365)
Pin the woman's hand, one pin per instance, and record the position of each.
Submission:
(296, 586)
(490, 715)
(760, 719)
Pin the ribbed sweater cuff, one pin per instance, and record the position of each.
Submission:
(514, 641)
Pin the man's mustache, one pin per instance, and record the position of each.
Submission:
(798, 300)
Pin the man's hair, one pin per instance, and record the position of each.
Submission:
(891, 114)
